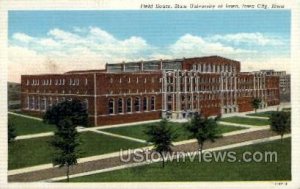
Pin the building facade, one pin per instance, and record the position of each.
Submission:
(284, 83)
(147, 90)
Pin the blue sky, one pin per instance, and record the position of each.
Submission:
(97, 37)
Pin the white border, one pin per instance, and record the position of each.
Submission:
(6, 5)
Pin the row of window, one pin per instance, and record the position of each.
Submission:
(71, 92)
(213, 68)
(54, 82)
(171, 79)
(43, 103)
(137, 104)
(188, 106)
(127, 91)
(170, 88)
(194, 79)
(136, 80)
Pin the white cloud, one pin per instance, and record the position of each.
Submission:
(190, 45)
(91, 48)
(247, 38)
(101, 36)
(22, 37)
(276, 63)
(48, 42)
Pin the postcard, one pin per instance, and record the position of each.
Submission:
(163, 94)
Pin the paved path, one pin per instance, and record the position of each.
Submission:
(240, 125)
(251, 142)
(111, 162)
(22, 137)
(255, 117)
(119, 136)
(26, 116)
(116, 154)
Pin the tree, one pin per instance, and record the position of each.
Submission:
(11, 131)
(161, 136)
(255, 103)
(66, 116)
(281, 122)
(75, 110)
(65, 141)
(203, 129)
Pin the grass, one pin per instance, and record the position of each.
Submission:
(24, 126)
(262, 114)
(247, 121)
(208, 171)
(137, 131)
(30, 152)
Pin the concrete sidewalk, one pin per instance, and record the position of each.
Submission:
(26, 116)
(155, 161)
(114, 160)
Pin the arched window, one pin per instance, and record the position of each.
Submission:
(120, 105)
(145, 104)
(111, 106)
(137, 104)
(128, 105)
(152, 103)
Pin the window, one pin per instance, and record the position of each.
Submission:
(145, 104)
(137, 104)
(128, 105)
(43, 104)
(37, 104)
(169, 107)
(27, 102)
(86, 104)
(50, 102)
(31, 103)
(111, 106)
(152, 104)
(169, 98)
(120, 105)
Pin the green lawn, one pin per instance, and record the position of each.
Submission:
(25, 126)
(262, 114)
(208, 171)
(286, 109)
(137, 131)
(247, 121)
(30, 152)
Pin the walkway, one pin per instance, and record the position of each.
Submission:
(92, 164)
(26, 116)
(157, 160)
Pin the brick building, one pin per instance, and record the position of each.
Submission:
(284, 83)
(146, 90)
